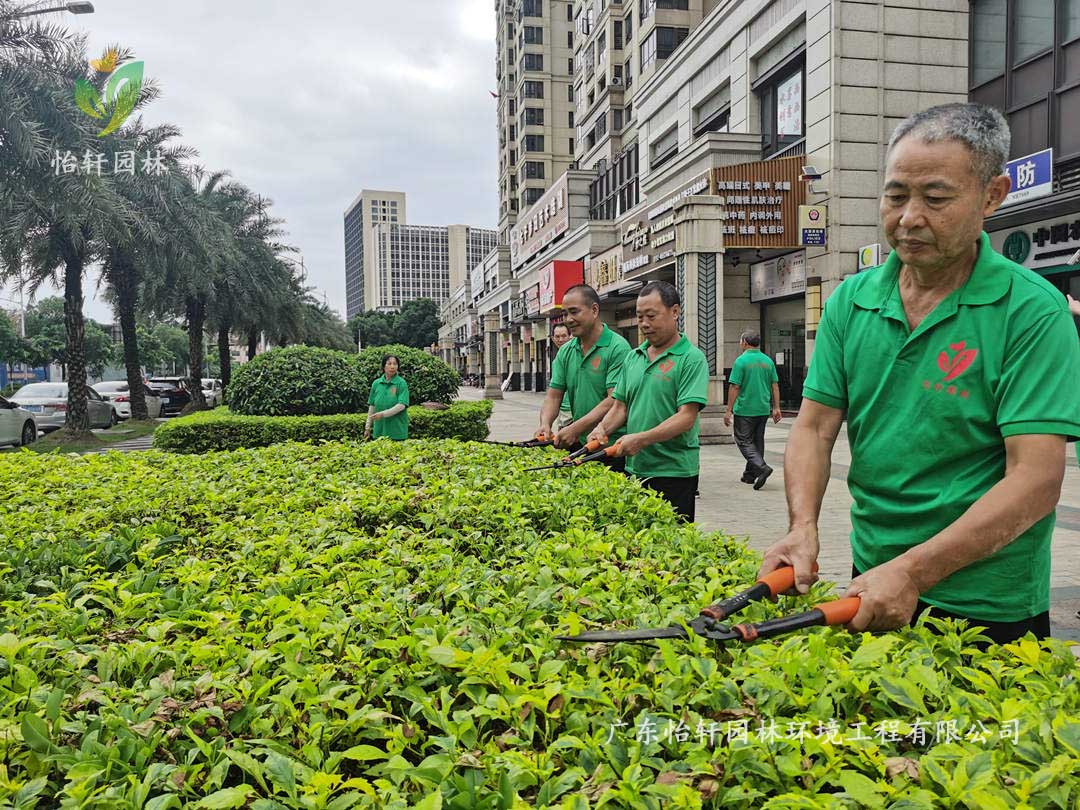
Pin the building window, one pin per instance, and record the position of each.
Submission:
(988, 27)
(616, 120)
(628, 72)
(601, 46)
(534, 116)
(533, 195)
(534, 89)
(571, 146)
(570, 119)
(712, 114)
(1033, 30)
(1070, 21)
(570, 67)
(781, 99)
(532, 8)
(660, 44)
(534, 170)
(569, 12)
(570, 92)
(513, 132)
(628, 27)
(533, 61)
(664, 148)
(616, 39)
(615, 189)
(534, 35)
(570, 39)
(647, 7)
(534, 143)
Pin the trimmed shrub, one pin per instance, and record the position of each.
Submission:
(221, 430)
(365, 626)
(297, 381)
(428, 377)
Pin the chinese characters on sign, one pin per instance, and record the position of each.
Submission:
(918, 732)
(761, 202)
(1032, 176)
(97, 163)
(538, 226)
(789, 106)
(775, 278)
(605, 270)
(1040, 245)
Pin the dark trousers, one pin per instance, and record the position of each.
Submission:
(750, 439)
(999, 632)
(679, 492)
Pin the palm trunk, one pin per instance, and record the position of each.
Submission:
(253, 343)
(78, 416)
(126, 294)
(196, 317)
(224, 355)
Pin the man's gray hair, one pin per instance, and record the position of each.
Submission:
(982, 129)
(752, 339)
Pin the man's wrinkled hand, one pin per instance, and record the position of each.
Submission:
(631, 444)
(566, 437)
(888, 597)
(799, 548)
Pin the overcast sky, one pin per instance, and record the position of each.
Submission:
(309, 102)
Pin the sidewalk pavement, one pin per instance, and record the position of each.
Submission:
(760, 517)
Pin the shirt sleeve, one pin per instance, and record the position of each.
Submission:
(558, 370)
(736, 372)
(826, 381)
(693, 383)
(621, 392)
(615, 365)
(371, 393)
(1039, 388)
(403, 394)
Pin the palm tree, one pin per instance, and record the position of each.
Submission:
(54, 221)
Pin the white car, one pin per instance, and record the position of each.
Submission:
(17, 425)
(47, 401)
(213, 393)
(118, 393)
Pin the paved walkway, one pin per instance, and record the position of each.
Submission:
(760, 517)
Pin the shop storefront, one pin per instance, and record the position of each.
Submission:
(778, 285)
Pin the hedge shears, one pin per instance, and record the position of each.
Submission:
(708, 622)
(541, 439)
(593, 451)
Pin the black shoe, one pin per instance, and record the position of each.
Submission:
(748, 478)
(762, 477)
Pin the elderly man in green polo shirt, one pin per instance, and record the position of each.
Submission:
(585, 370)
(959, 372)
(664, 384)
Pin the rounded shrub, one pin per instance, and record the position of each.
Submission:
(297, 381)
(429, 378)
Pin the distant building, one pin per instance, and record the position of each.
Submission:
(388, 262)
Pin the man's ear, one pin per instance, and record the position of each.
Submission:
(676, 310)
(996, 192)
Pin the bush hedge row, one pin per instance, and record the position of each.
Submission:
(337, 627)
(221, 429)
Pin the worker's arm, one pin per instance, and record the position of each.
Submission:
(776, 413)
(585, 425)
(733, 394)
(612, 421)
(675, 425)
(549, 411)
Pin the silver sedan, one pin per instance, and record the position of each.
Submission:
(48, 403)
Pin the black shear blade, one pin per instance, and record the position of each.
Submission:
(642, 634)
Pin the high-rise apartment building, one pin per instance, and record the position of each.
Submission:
(618, 45)
(534, 69)
(366, 211)
(424, 261)
(388, 262)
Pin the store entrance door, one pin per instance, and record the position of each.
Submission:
(784, 341)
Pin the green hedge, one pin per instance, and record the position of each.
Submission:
(220, 429)
(361, 627)
(429, 378)
(297, 381)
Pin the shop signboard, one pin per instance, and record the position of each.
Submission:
(761, 202)
(555, 280)
(869, 256)
(1032, 176)
(532, 301)
(476, 280)
(541, 224)
(517, 309)
(1042, 245)
(605, 271)
(778, 277)
(789, 112)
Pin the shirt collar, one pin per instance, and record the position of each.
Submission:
(990, 279)
(382, 379)
(681, 346)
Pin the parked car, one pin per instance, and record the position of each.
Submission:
(173, 393)
(17, 425)
(213, 393)
(118, 393)
(47, 401)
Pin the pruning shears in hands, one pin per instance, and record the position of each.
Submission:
(708, 622)
(540, 439)
(594, 450)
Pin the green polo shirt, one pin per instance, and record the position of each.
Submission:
(653, 391)
(754, 372)
(928, 412)
(386, 394)
(586, 378)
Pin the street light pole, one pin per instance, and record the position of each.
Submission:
(74, 8)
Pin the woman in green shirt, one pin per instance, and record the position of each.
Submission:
(387, 403)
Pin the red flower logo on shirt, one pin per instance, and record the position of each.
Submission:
(596, 363)
(666, 366)
(393, 389)
(957, 364)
